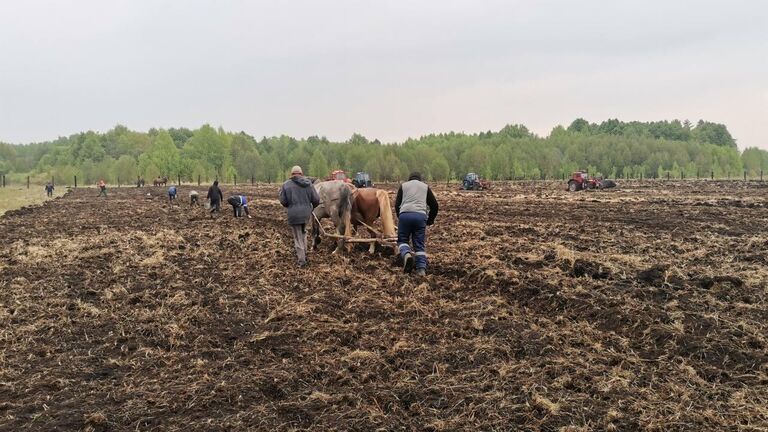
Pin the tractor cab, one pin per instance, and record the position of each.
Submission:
(578, 181)
(581, 180)
(472, 181)
(362, 180)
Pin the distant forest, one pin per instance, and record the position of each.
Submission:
(612, 148)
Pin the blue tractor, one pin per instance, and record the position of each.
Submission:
(472, 181)
(362, 180)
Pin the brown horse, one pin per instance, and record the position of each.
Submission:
(368, 204)
(161, 181)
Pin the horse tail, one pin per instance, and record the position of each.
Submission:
(385, 213)
(345, 211)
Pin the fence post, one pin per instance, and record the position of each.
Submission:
(27, 182)
(179, 179)
(52, 180)
(118, 181)
(667, 175)
(198, 179)
(713, 174)
(234, 176)
(745, 175)
(682, 175)
(251, 179)
(3, 180)
(75, 181)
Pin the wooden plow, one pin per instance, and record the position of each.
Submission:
(379, 239)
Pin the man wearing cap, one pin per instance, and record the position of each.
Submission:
(299, 198)
(416, 208)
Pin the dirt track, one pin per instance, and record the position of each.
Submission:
(636, 308)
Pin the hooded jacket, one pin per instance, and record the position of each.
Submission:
(214, 193)
(299, 197)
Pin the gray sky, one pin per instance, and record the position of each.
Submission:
(386, 69)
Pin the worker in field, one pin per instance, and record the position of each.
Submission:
(171, 195)
(193, 197)
(102, 188)
(215, 196)
(416, 208)
(299, 198)
(239, 205)
(49, 189)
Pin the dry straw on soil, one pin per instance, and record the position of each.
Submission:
(642, 308)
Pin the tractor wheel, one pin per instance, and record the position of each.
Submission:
(573, 186)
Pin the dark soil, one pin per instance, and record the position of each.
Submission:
(636, 308)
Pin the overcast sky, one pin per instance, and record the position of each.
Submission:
(386, 69)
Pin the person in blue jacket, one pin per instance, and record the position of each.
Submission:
(239, 205)
(171, 194)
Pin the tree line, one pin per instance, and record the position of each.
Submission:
(612, 148)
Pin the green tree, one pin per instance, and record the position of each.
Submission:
(755, 160)
(165, 155)
(126, 168)
(210, 147)
(318, 165)
(439, 169)
(713, 133)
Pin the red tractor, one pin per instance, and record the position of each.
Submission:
(339, 175)
(581, 180)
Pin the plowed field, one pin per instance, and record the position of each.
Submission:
(639, 308)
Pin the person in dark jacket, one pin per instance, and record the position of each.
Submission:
(299, 197)
(239, 205)
(49, 189)
(171, 194)
(216, 196)
(416, 208)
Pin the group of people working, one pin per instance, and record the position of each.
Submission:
(215, 196)
(415, 204)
